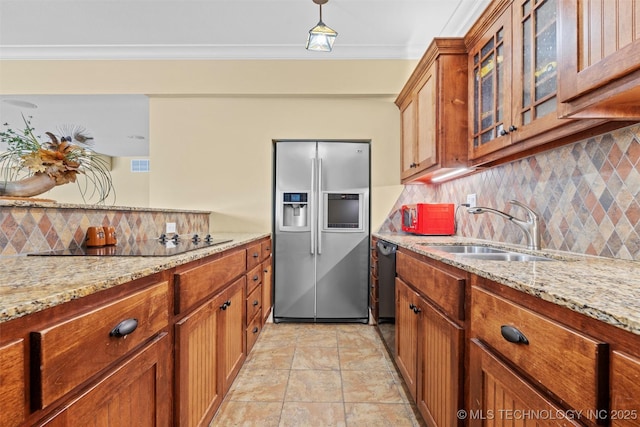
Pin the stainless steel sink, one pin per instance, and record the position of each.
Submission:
(485, 253)
(506, 256)
(465, 249)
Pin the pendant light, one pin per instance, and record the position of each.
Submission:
(321, 37)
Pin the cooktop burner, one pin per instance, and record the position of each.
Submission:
(163, 246)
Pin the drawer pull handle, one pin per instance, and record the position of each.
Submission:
(513, 335)
(255, 330)
(255, 303)
(124, 328)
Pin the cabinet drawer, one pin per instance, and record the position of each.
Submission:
(253, 331)
(71, 352)
(254, 303)
(254, 278)
(204, 280)
(564, 361)
(265, 248)
(253, 255)
(446, 290)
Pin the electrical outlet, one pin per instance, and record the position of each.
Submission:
(471, 200)
(171, 227)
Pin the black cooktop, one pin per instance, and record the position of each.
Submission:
(145, 248)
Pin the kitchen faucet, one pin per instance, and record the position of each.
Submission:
(530, 227)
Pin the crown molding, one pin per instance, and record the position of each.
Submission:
(203, 52)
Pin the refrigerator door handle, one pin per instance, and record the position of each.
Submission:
(312, 206)
(320, 222)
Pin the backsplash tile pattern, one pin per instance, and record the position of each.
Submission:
(587, 193)
(27, 229)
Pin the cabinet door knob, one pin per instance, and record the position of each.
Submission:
(255, 303)
(411, 306)
(417, 310)
(255, 278)
(512, 334)
(256, 255)
(255, 330)
(224, 306)
(265, 270)
(503, 132)
(124, 328)
(512, 128)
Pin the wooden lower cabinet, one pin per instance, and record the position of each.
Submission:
(267, 289)
(135, 393)
(209, 352)
(429, 350)
(498, 396)
(406, 351)
(440, 368)
(233, 349)
(12, 384)
(625, 390)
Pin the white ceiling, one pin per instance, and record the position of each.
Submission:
(203, 29)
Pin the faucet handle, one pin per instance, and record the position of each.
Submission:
(531, 214)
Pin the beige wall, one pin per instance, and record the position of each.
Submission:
(131, 189)
(217, 153)
(212, 123)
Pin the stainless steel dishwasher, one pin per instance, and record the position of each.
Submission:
(386, 281)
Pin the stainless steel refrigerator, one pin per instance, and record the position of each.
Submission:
(321, 231)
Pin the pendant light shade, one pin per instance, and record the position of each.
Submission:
(321, 37)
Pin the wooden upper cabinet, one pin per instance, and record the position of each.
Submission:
(433, 112)
(600, 51)
(489, 89)
(514, 78)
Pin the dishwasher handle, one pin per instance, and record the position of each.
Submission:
(386, 249)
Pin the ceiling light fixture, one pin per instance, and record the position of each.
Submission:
(321, 37)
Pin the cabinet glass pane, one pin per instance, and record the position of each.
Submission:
(526, 61)
(539, 56)
(488, 89)
(500, 82)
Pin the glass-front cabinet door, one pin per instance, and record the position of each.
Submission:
(514, 77)
(490, 63)
(535, 63)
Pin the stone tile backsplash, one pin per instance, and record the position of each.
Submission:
(587, 193)
(32, 228)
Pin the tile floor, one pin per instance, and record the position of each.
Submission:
(318, 375)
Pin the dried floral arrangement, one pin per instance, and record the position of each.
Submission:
(30, 167)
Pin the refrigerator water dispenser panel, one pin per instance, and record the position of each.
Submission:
(295, 210)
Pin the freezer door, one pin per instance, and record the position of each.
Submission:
(294, 295)
(294, 249)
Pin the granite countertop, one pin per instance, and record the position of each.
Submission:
(602, 288)
(51, 204)
(31, 284)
